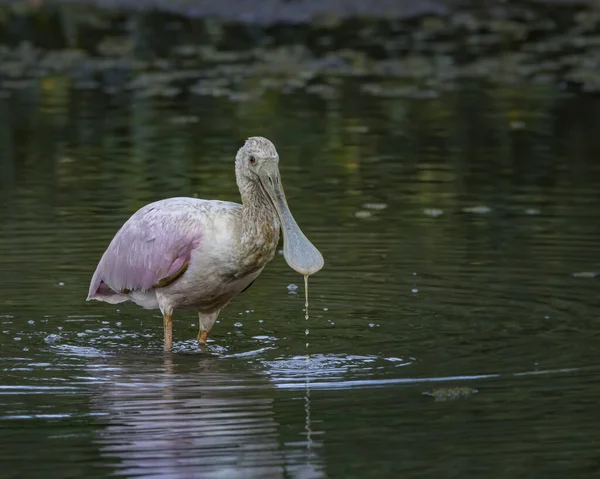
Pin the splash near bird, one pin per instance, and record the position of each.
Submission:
(187, 253)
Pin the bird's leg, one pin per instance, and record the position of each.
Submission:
(168, 324)
(205, 322)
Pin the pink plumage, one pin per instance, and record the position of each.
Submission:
(153, 244)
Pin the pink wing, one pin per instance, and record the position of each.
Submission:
(153, 244)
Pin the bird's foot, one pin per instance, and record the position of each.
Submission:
(202, 337)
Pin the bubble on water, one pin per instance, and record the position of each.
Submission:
(325, 309)
(118, 323)
(217, 321)
(60, 328)
(17, 338)
(585, 274)
(31, 321)
(260, 320)
(247, 311)
(25, 349)
(478, 210)
(81, 335)
(433, 212)
(414, 290)
(362, 214)
(415, 273)
(306, 332)
(61, 283)
(251, 310)
(532, 211)
(105, 322)
(292, 287)
(51, 338)
(280, 251)
(371, 325)
(238, 325)
(375, 206)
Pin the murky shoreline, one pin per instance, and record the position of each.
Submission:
(118, 49)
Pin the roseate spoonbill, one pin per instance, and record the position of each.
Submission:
(187, 253)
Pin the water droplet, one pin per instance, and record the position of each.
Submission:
(415, 290)
(532, 211)
(217, 321)
(17, 339)
(280, 251)
(118, 323)
(260, 320)
(31, 321)
(105, 322)
(306, 332)
(371, 325)
(292, 287)
(325, 309)
(247, 311)
(61, 283)
(25, 349)
(238, 325)
(81, 335)
(60, 328)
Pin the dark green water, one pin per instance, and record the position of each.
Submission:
(454, 330)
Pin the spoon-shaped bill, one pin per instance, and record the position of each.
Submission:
(299, 253)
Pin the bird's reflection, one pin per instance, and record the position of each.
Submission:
(195, 416)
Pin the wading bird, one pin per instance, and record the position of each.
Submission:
(187, 253)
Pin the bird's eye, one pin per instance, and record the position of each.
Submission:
(252, 160)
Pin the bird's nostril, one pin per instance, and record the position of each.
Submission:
(271, 180)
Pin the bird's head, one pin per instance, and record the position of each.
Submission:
(257, 163)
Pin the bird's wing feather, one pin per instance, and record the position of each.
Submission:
(155, 243)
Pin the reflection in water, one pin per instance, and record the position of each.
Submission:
(194, 418)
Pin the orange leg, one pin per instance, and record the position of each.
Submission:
(202, 337)
(206, 322)
(168, 324)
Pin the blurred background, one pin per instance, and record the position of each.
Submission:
(442, 155)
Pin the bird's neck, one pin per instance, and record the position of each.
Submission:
(260, 223)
